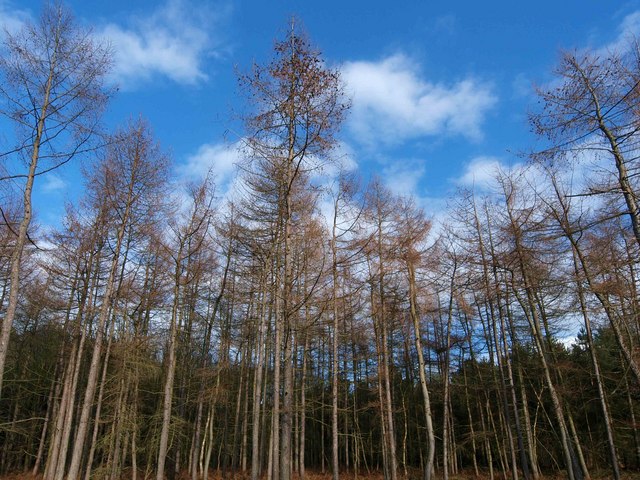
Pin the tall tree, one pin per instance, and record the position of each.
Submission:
(561, 212)
(413, 230)
(51, 87)
(190, 234)
(126, 190)
(592, 112)
(298, 104)
(381, 206)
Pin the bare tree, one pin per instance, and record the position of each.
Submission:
(381, 206)
(414, 228)
(592, 114)
(299, 105)
(561, 212)
(127, 190)
(190, 234)
(51, 89)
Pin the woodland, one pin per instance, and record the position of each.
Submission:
(156, 335)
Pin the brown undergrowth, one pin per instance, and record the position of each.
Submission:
(312, 475)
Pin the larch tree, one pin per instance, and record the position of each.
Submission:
(381, 205)
(591, 113)
(127, 189)
(299, 105)
(345, 219)
(527, 274)
(52, 90)
(190, 233)
(568, 219)
(414, 229)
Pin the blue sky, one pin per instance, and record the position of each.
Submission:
(440, 91)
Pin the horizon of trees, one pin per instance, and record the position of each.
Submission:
(165, 334)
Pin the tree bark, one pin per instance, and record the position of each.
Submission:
(428, 470)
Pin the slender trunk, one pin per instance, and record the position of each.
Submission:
(486, 406)
(335, 341)
(472, 432)
(445, 376)
(613, 456)
(531, 314)
(393, 462)
(236, 417)
(96, 423)
(209, 438)
(531, 438)
(564, 221)
(134, 427)
(196, 454)
(632, 415)
(21, 239)
(83, 423)
(413, 305)
(385, 369)
(287, 408)
(503, 359)
(283, 464)
(171, 367)
(487, 442)
(512, 387)
(69, 393)
(303, 409)
(257, 383)
(275, 420)
(61, 412)
(116, 431)
(245, 429)
(45, 426)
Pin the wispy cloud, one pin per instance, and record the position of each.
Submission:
(174, 42)
(481, 172)
(404, 177)
(446, 24)
(627, 30)
(343, 159)
(392, 103)
(53, 183)
(12, 18)
(219, 159)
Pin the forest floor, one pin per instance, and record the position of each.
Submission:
(469, 475)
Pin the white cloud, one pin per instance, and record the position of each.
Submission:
(628, 29)
(172, 42)
(393, 103)
(481, 172)
(53, 183)
(403, 178)
(11, 19)
(342, 159)
(217, 158)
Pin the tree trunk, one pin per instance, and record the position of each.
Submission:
(97, 416)
(16, 256)
(428, 470)
(564, 221)
(334, 352)
(171, 366)
(531, 314)
(257, 382)
(108, 298)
